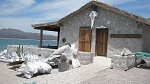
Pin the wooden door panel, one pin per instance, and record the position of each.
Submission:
(85, 39)
(81, 35)
(87, 47)
(87, 36)
(101, 44)
(81, 46)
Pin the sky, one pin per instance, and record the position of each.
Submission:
(20, 14)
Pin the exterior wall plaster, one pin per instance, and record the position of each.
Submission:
(117, 24)
(146, 37)
(70, 28)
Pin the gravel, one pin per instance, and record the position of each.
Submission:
(73, 76)
(95, 73)
(140, 75)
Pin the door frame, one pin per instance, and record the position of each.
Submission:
(96, 40)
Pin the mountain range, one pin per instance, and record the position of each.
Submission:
(15, 33)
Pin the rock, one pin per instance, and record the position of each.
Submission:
(63, 66)
(125, 52)
(147, 60)
(122, 62)
(70, 61)
(63, 58)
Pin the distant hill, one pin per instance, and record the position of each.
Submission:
(14, 33)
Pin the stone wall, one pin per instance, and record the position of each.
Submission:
(44, 52)
(146, 38)
(84, 57)
(13, 48)
(125, 62)
(117, 24)
(70, 28)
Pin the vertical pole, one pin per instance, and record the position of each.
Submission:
(19, 50)
(22, 49)
(58, 38)
(41, 37)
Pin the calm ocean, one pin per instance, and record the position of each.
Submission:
(11, 41)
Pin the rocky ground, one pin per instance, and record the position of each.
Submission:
(95, 73)
(73, 76)
(140, 75)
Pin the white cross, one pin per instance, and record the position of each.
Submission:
(92, 15)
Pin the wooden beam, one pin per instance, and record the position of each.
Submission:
(41, 37)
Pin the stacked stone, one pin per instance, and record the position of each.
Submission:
(63, 65)
(122, 62)
(34, 50)
(138, 59)
(85, 57)
(43, 52)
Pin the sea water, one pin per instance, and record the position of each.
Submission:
(12, 41)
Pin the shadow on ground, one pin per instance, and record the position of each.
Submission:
(143, 66)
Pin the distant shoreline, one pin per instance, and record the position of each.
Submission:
(26, 39)
(18, 34)
(4, 42)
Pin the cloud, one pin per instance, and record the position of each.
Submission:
(115, 2)
(146, 15)
(138, 6)
(18, 23)
(23, 24)
(29, 12)
(60, 8)
(13, 6)
(47, 7)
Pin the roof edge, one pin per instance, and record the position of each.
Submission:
(99, 4)
(45, 24)
(108, 7)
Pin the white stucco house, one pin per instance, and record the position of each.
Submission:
(101, 29)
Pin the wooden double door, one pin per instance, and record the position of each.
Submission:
(101, 42)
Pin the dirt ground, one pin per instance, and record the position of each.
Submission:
(88, 74)
(136, 75)
(73, 76)
(8, 75)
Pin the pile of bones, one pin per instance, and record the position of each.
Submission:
(33, 64)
